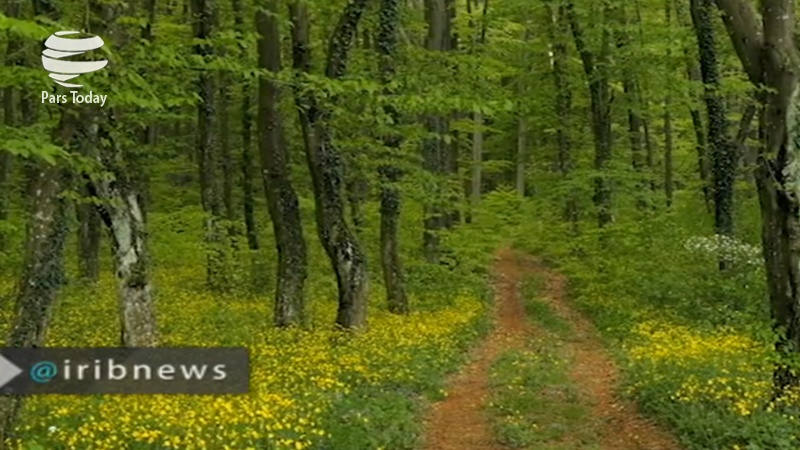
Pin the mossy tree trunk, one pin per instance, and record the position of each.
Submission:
(282, 200)
(326, 163)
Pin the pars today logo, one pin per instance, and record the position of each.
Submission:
(55, 59)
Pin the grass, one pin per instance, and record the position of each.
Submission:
(694, 344)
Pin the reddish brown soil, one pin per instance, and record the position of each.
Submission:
(460, 421)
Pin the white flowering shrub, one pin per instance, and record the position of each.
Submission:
(725, 247)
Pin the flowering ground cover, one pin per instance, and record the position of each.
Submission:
(310, 388)
(695, 344)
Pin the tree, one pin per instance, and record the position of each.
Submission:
(390, 174)
(558, 27)
(120, 206)
(768, 52)
(326, 164)
(434, 146)
(597, 74)
(89, 224)
(284, 208)
(248, 190)
(720, 145)
(206, 145)
(477, 117)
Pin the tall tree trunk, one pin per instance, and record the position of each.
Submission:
(701, 144)
(284, 208)
(325, 164)
(124, 217)
(43, 267)
(458, 194)
(149, 132)
(248, 189)
(211, 197)
(477, 159)
(13, 56)
(226, 161)
(559, 35)
(393, 274)
(669, 183)
(702, 152)
(477, 135)
(770, 58)
(600, 97)
(89, 228)
(89, 223)
(722, 160)
(452, 150)
(121, 209)
(434, 146)
(649, 152)
(631, 89)
(522, 154)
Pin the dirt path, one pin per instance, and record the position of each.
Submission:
(460, 422)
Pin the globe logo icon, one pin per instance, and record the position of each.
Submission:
(59, 47)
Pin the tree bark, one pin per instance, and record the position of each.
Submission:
(124, 217)
(208, 161)
(89, 222)
(226, 162)
(559, 28)
(89, 233)
(770, 57)
(477, 135)
(393, 273)
(701, 144)
(600, 100)
(522, 155)
(477, 159)
(433, 147)
(669, 183)
(720, 145)
(326, 165)
(248, 190)
(43, 272)
(630, 87)
(282, 202)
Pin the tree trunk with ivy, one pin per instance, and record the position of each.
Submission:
(325, 162)
(43, 272)
(390, 174)
(720, 145)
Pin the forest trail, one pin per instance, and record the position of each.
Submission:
(462, 421)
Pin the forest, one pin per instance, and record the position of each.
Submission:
(433, 224)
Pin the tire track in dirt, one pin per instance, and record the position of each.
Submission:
(596, 375)
(461, 421)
